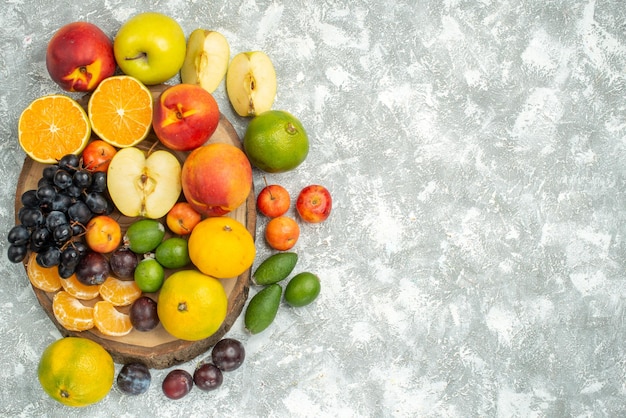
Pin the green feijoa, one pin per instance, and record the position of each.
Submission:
(262, 308)
(275, 268)
(173, 253)
(144, 235)
(302, 289)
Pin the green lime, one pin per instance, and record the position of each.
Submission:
(275, 268)
(149, 275)
(144, 236)
(262, 308)
(302, 289)
(173, 253)
(275, 141)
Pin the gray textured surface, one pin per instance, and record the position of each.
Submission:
(474, 261)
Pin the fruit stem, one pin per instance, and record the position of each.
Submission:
(141, 55)
(290, 128)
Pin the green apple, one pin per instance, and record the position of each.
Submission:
(251, 83)
(150, 47)
(208, 54)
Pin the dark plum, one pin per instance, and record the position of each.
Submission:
(123, 263)
(134, 378)
(177, 384)
(228, 354)
(143, 314)
(208, 376)
(93, 268)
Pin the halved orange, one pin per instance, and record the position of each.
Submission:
(71, 313)
(46, 279)
(109, 320)
(120, 111)
(119, 292)
(79, 290)
(53, 126)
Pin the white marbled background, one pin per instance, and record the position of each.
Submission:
(473, 265)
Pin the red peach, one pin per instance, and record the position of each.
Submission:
(216, 178)
(79, 56)
(185, 116)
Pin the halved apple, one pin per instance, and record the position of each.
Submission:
(251, 83)
(206, 59)
(144, 186)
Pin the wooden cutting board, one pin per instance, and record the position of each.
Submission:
(156, 348)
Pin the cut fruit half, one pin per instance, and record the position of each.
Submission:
(53, 126)
(120, 111)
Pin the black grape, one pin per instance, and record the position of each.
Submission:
(19, 235)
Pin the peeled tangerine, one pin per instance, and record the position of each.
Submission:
(221, 247)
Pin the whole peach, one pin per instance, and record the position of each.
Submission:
(79, 56)
(216, 178)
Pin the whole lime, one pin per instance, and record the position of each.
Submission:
(149, 275)
(275, 141)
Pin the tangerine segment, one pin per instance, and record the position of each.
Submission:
(120, 111)
(71, 313)
(80, 290)
(46, 279)
(53, 126)
(119, 292)
(110, 321)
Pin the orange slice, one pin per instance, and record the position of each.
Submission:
(110, 321)
(46, 279)
(79, 290)
(71, 313)
(120, 111)
(53, 126)
(119, 292)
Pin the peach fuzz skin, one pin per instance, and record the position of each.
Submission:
(185, 116)
(216, 178)
(79, 56)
